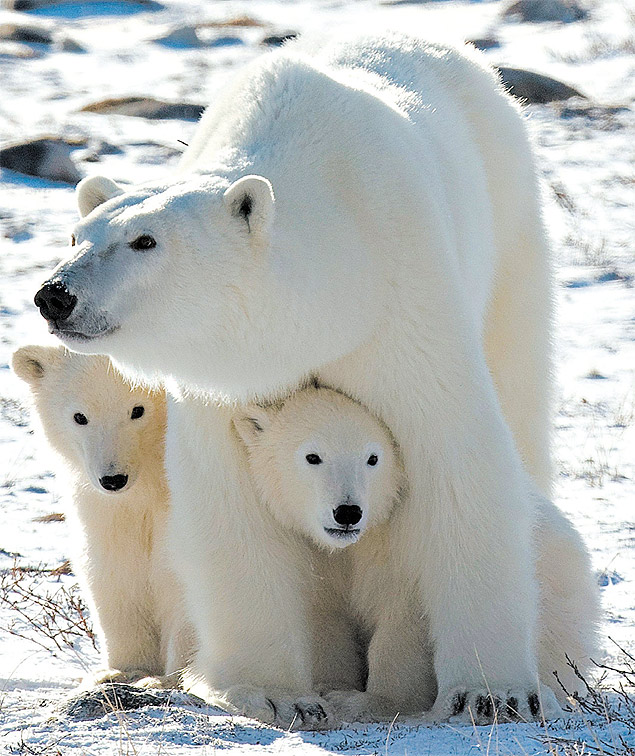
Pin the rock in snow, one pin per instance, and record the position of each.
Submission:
(109, 697)
(534, 87)
(538, 11)
(146, 107)
(48, 158)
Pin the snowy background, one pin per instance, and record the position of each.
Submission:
(57, 58)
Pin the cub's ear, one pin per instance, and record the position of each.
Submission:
(93, 191)
(251, 200)
(251, 423)
(30, 363)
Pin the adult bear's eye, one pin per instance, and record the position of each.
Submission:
(313, 459)
(80, 419)
(372, 460)
(137, 412)
(143, 242)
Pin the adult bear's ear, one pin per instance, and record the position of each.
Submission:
(93, 191)
(251, 423)
(30, 363)
(251, 200)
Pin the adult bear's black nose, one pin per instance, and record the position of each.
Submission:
(55, 301)
(113, 482)
(347, 514)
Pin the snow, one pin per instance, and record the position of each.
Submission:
(587, 163)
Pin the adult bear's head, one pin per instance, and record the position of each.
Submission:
(203, 279)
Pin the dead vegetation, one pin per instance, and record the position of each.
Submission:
(46, 610)
(610, 700)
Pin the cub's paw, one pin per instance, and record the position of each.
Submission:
(483, 706)
(117, 675)
(278, 708)
(357, 706)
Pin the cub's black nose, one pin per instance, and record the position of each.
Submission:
(55, 301)
(347, 514)
(113, 482)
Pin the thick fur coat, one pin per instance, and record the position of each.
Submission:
(111, 437)
(365, 212)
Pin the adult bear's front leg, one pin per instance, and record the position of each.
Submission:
(464, 534)
(242, 577)
(468, 529)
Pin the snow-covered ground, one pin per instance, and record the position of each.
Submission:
(587, 158)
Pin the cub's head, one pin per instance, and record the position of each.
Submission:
(323, 465)
(109, 433)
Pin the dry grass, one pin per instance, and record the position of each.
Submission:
(610, 700)
(46, 611)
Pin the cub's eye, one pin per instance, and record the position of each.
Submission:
(372, 460)
(142, 243)
(80, 419)
(73, 240)
(313, 459)
(137, 412)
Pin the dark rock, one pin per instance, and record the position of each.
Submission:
(276, 40)
(534, 87)
(539, 11)
(146, 107)
(485, 43)
(47, 158)
(109, 697)
(84, 6)
(24, 29)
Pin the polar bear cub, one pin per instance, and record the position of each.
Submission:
(110, 436)
(323, 465)
(328, 469)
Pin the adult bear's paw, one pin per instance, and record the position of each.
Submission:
(484, 706)
(278, 708)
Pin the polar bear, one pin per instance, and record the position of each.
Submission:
(323, 464)
(365, 212)
(330, 471)
(110, 437)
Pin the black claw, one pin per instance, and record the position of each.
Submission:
(275, 710)
(512, 708)
(315, 711)
(534, 704)
(484, 708)
(458, 703)
(299, 712)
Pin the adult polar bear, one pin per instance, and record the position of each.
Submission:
(365, 213)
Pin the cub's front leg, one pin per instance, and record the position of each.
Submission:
(244, 578)
(401, 678)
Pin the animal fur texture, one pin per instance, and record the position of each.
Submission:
(366, 212)
(320, 449)
(102, 427)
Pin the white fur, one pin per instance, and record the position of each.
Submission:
(303, 494)
(120, 555)
(402, 260)
(300, 495)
